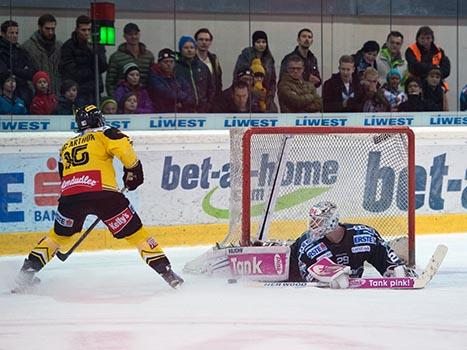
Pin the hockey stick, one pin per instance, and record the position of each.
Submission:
(64, 256)
(381, 282)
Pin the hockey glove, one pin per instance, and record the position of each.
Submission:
(133, 177)
(400, 271)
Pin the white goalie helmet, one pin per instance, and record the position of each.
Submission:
(324, 218)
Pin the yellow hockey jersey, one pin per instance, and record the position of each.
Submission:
(88, 160)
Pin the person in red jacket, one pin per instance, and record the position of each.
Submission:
(44, 101)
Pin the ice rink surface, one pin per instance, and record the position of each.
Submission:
(111, 300)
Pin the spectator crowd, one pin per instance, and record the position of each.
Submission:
(43, 76)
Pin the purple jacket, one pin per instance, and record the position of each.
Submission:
(144, 102)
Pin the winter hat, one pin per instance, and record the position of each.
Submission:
(243, 72)
(66, 85)
(183, 40)
(370, 46)
(257, 67)
(4, 76)
(259, 34)
(165, 53)
(130, 28)
(106, 100)
(40, 75)
(127, 68)
(392, 72)
(434, 69)
(411, 80)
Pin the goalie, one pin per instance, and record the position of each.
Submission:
(348, 245)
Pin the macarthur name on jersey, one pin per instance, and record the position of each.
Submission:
(88, 160)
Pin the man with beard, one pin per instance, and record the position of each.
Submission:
(311, 71)
(44, 50)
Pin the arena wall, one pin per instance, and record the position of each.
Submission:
(184, 199)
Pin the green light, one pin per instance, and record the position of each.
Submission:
(107, 35)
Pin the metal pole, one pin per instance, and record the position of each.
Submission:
(95, 39)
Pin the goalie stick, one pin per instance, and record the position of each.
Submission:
(382, 282)
(64, 256)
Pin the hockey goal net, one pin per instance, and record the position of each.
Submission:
(278, 173)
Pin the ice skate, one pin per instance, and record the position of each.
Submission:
(174, 280)
(25, 281)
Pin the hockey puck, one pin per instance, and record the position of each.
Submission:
(232, 280)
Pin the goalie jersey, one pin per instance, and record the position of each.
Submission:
(87, 160)
(360, 243)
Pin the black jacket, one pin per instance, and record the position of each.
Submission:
(77, 63)
(333, 91)
(19, 64)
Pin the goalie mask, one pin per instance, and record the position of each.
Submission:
(89, 117)
(324, 218)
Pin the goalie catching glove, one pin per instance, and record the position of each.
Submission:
(133, 177)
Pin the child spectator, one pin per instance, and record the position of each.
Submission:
(374, 100)
(132, 83)
(413, 90)
(128, 104)
(259, 91)
(108, 106)
(9, 103)
(365, 57)
(44, 101)
(391, 90)
(67, 101)
(434, 93)
(463, 99)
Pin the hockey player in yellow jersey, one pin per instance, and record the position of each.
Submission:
(88, 186)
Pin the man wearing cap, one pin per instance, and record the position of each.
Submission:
(190, 68)
(229, 101)
(77, 61)
(168, 94)
(132, 50)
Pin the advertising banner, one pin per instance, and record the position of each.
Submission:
(227, 121)
(187, 180)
